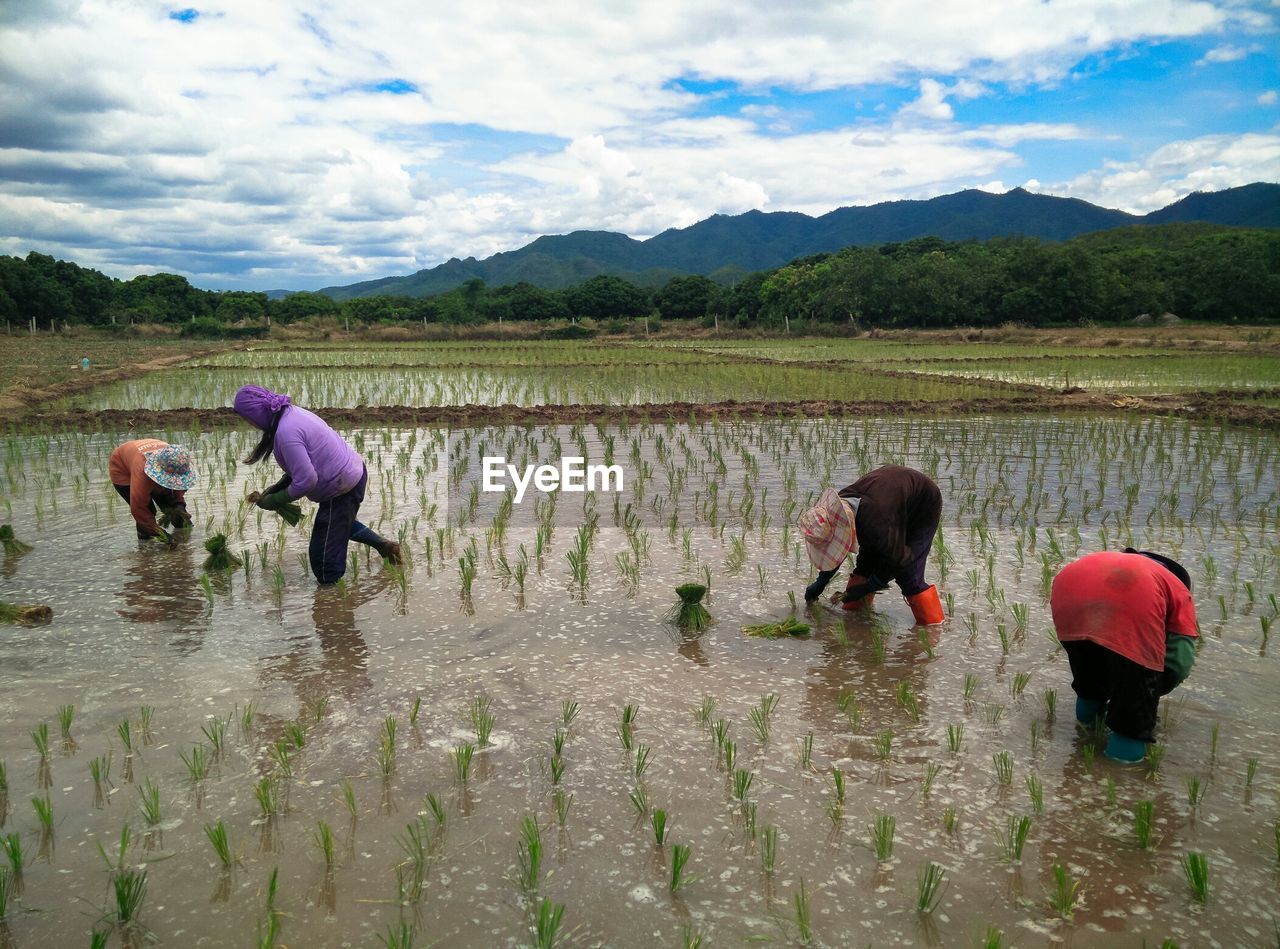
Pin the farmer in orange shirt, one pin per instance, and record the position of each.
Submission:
(1128, 626)
(153, 476)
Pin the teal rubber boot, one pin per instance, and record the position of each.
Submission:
(1090, 713)
(1125, 750)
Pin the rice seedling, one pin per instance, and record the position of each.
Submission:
(389, 731)
(482, 719)
(546, 927)
(1014, 837)
(1019, 684)
(1035, 735)
(949, 818)
(217, 834)
(639, 798)
(1111, 792)
(462, 755)
(702, 714)
(125, 731)
(1250, 770)
(1213, 742)
(1195, 867)
(1195, 790)
(1050, 698)
(40, 738)
(852, 709)
(1143, 821)
(837, 780)
(883, 744)
(100, 770)
(220, 558)
(435, 807)
(1154, 757)
(216, 731)
(246, 718)
(659, 821)
(1003, 762)
(323, 838)
(529, 853)
(146, 713)
(1087, 753)
(679, 879)
(562, 802)
(729, 754)
(197, 763)
(769, 848)
(397, 938)
(6, 887)
(759, 725)
(1035, 791)
(44, 813)
(414, 710)
(689, 614)
(295, 733)
(569, 711)
(970, 684)
(742, 779)
(11, 844)
(804, 914)
(130, 888)
(955, 737)
(929, 887)
(267, 793)
(1004, 638)
(720, 732)
(882, 833)
(4, 779)
(150, 795)
(281, 754)
(30, 614)
(908, 700)
(640, 763)
(777, 630)
(66, 715)
(1065, 893)
(806, 752)
(690, 938)
(931, 771)
(992, 939)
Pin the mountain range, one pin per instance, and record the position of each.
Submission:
(725, 247)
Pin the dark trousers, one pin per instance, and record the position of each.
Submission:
(123, 491)
(911, 580)
(1130, 691)
(334, 526)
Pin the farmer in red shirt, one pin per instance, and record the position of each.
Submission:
(1128, 625)
(889, 518)
(153, 476)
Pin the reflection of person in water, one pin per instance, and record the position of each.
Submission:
(164, 590)
(343, 665)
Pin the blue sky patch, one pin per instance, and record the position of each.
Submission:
(188, 15)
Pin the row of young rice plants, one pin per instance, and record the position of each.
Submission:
(507, 737)
(531, 353)
(607, 385)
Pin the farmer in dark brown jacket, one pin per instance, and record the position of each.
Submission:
(889, 518)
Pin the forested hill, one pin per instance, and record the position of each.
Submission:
(726, 247)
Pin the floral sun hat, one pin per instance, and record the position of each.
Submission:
(171, 467)
(829, 531)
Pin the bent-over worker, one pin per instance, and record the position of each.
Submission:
(889, 518)
(153, 477)
(1128, 625)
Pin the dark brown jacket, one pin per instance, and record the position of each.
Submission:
(897, 505)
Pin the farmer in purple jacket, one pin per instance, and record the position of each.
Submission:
(319, 465)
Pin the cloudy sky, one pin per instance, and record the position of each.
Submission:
(281, 144)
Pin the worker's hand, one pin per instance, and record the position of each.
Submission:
(273, 501)
(860, 587)
(814, 590)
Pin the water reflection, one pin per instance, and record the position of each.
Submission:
(161, 586)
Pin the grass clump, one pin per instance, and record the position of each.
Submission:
(689, 613)
(34, 614)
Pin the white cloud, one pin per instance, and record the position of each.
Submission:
(1268, 98)
(1225, 54)
(254, 140)
(1170, 173)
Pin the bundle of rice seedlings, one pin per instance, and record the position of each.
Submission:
(33, 615)
(291, 513)
(219, 557)
(12, 546)
(690, 614)
(171, 519)
(787, 627)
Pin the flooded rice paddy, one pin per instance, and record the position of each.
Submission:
(289, 691)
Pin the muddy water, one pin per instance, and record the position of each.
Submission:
(134, 627)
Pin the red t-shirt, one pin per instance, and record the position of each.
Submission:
(1124, 602)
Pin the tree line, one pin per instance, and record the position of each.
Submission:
(1197, 271)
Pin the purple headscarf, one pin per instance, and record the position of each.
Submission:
(258, 405)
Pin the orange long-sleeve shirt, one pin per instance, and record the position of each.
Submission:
(127, 469)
